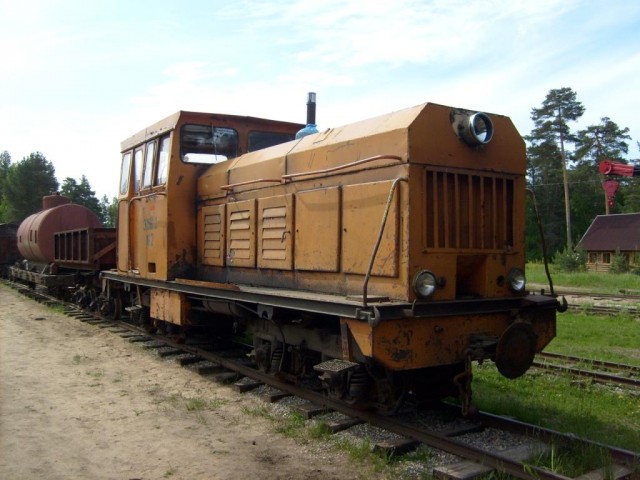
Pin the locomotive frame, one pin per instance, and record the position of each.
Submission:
(379, 258)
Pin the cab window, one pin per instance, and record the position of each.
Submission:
(124, 173)
(148, 164)
(137, 169)
(163, 161)
(207, 144)
(259, 140)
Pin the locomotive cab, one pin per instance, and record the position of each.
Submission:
(159, 169)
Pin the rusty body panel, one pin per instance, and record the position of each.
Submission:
(169, 306)
(410, 343)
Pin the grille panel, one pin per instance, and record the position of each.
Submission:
(212, 238)
(274, 230)
(468, 212)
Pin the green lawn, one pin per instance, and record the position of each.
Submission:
(602, 413)
(611, 338)
(588, 281)
(605, 414)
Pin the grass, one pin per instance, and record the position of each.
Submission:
(604, 414)
(574, 461)
(591, 281)
(295, 426)
(199, 404)
(615, 339)
(586, 409)
(58, 308)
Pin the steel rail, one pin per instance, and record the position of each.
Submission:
(598, 363)
(581, 372)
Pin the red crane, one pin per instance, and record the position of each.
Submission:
(611, 168)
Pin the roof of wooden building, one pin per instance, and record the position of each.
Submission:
(613, 232)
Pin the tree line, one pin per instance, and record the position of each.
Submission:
(562, 172)
(24, 183)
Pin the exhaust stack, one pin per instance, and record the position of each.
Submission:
(311, 117)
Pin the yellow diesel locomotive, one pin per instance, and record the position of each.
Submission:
(378, 259)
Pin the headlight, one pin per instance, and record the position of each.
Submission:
(517, 280)
(424, 283)
(473, 128)
(481, 128)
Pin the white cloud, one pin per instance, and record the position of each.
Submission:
(79, 78)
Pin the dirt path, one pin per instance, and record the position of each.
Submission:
(80, 402)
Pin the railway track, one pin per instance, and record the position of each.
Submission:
(603, 296)
(611, 310)
(598, 370)
(227, 362)
(621, 295)
(599, 303)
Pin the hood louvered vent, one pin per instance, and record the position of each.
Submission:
(468, 212)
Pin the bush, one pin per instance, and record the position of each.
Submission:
(619, 264)
(571, 260)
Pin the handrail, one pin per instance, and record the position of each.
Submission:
(290, 176)
(341, 167)
(379, 239)
(231, 186)
(543, 244)
(147, 195)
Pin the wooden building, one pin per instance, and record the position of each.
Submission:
(609, 235)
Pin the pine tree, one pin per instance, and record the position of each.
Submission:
(559, 107)
(82, 194)
(109, 211)
(25, 184)
(544, 179)
(605, 141)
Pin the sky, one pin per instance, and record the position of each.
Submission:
(78, 77)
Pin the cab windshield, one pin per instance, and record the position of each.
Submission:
(207, 144)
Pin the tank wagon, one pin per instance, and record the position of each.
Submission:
(64, 247)
(377, 259)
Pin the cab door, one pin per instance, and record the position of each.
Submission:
(135, 214)
(128, 212)
(150, 253)
(123, 212)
